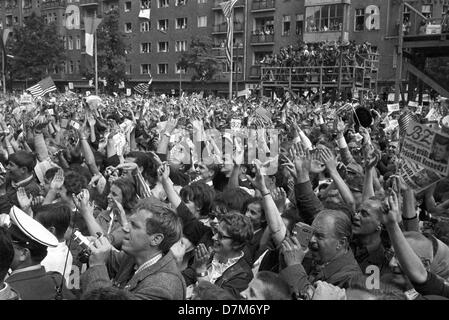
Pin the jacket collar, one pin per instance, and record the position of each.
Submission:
(26, 273)
(336, 265)
(160, 264)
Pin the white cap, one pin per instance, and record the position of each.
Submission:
(31, 228)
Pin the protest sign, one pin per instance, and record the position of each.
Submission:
(236, 124)
(393, 108)
(426, 147)
(413, 104)
(417, 177)
(26, 99)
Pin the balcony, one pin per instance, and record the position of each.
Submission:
(220, 52)
(217, 6)
(88, 3)
(263, 6)
(222, 28)
(53, 4)
(262, 39)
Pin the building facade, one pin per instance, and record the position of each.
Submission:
(157, 32)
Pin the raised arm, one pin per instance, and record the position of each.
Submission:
(410, 263)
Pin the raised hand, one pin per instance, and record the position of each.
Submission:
(339, 125)
(391, 214)
(25, 202)
(163, 172)
(171, 125)
(292, 251)
(201, 258)
(280, 198)
(329, 160)
(82, 201)
(91, 120)
(58, 180)
(259, 181)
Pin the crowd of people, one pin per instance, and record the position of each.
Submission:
(107, 197)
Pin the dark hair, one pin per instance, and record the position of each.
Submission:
(50, 173)
(55, 215)
(6, 253)
(275, 287)
(23, 159)
(234, 198)
(129, 194)
(164, 220)
(239, 228)
(106, 293)
(74, 182)
(201, 194)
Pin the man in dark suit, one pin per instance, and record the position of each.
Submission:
(145, 267)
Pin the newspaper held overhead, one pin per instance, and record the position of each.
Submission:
(427, 147)
(417, 177)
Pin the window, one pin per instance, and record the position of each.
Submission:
(324, 18)
(286, 25)
(77, 66)
(426, 10)
(163, 4)
(128, 27)
(129, 69)
(64, 67)
(202, 22)
(299, 20)
(359, 19)
(145, 26)
(78, 43)
(180, 46)
(180, 3)
(145, 68)
(181, 23)
(64, 39)
(145, 47)
(202, 1)
(127, 6)
(162, 68)
(162, 46)
(71, 67)
(145, 4)
(70, 43)
(162, 25)
(179, 70)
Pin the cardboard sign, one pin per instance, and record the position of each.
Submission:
(128, 92)
(393, 107)
(26, 99)
(413, 104)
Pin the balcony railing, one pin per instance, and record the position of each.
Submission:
(238, 26)
(53, 4)
(86, 3)
(263, 5)
(261, 38)
(221, 52)
(217, 4)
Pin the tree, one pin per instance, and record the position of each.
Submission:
(111, 52)
(37, 50)
(200, 59)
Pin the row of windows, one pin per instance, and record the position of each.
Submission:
(68, 43)
(146, 4)
(162, 46)
(162, 25)
(162, 68)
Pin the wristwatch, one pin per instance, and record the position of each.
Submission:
(202, 274)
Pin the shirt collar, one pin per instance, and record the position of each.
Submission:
(230, 262)
(149, 263)
(22, 182)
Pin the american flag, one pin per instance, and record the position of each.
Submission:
(42, 87)
(227, 8)
(142, 88)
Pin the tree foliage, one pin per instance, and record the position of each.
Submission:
(111, 52)
(37, 50)
(200, 59)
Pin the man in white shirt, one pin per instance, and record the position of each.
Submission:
(56, 218)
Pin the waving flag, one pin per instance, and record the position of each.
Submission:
(142, 88)
(227, 8)
(90, 24)
(42, 87)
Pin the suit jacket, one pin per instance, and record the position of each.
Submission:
(160, 281)
(38, 285)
